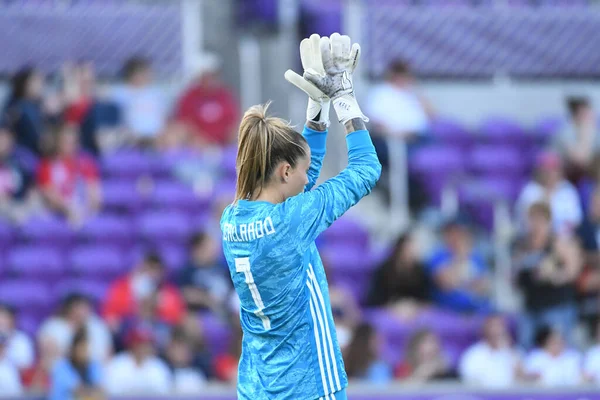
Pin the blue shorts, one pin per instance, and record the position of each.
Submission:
(341, 395)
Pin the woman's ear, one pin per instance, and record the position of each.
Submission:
(284, 171)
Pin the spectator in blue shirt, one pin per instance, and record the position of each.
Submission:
(458, 272)
(204, 281)
(76, 376)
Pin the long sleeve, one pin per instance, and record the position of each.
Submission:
(317, 141)
(310, 213)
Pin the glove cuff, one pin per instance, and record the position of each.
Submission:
(318, 111)
(347, 108)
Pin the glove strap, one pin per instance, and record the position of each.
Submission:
(347, 108)
(318, 111)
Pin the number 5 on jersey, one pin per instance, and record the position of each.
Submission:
(243, 265)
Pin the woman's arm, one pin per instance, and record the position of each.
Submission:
(315, 134)
(310, 213)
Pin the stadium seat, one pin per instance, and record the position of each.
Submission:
(164, 227)
(47, 230)
(94, 289)
(169, 194)
(498, 160)
(24, 294)
(121, 196)
(108, 229)
(36, 261)
(128, 164)
(98, 261)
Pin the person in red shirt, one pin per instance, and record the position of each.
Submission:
(69, 180)
(127, 295)
(208, 108)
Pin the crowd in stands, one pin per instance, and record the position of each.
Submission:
(144, 336)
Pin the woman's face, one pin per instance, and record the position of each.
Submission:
(68, 141)
(428, 349)
(80, 352)
(35, 85)
(297, 177)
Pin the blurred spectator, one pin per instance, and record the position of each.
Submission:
(346, 313)
(424, 360)
(148, 278)
(138, 371)
(579, 142)
(17, 195)
(551, 364)
(458, 272)
(186, 379)
(493, 361)
(547, 267)
(18, 347)
(10, 381)
(208, 107)
(77, 313)
(397, 109)
(24, 109)
(142, 104)
(204, 281)
(96, 118)
(147, 316)
(226, 364)
(37, 378)
(400, 283)
(69, 180)
(362, 357)
(591, 365)
(588, 282)
(77, 376)
(551, 186)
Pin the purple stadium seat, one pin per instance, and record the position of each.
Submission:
(228, 161)
(503, 130)
(176, 195)
(217, 333)
(36, 261)
(24, 294)
(94, 289)
(437, 159)
(345, 257)
(164, 227)
(28, 323)
(6, 234)
(451, 131)
(100, 261)
(547, 127)
(347, 231)
(47, 230)
(495, 159)
(108, 229)
(489, 189)
(174, 257)
(121, 196)
(128, 164)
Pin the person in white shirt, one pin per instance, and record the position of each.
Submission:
(551, 364)
(19, 348)
(76, 312)
(187, 380)
(143, 106)
(10, 382)
(138, 370)
(591, 364)
(493, 361)
(551, 187)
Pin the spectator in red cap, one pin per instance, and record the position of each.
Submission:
(208, 108)
(550, 186)
(127, 294)
(138, 370)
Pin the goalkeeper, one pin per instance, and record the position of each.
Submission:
(289, 347)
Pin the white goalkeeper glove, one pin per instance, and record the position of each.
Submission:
(340, 58)
(318, 103)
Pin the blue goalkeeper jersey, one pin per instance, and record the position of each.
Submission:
(289, 345)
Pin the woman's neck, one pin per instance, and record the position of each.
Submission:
(269, 195)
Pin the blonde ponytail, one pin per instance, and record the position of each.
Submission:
(264, 142)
